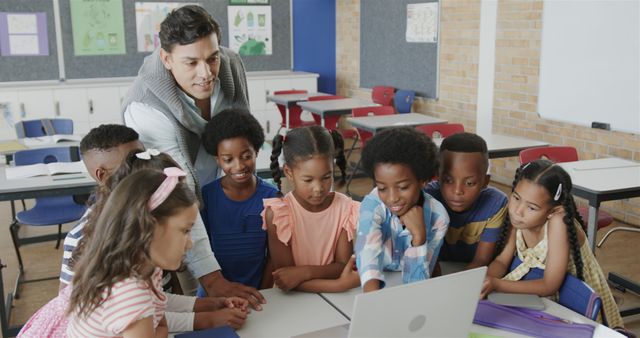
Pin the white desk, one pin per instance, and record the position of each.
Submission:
(41, 186)
(505, 146)
(334, 107)
(344, 303)
(289, 100)
(600, 180)
(290, 314)
(377, 123)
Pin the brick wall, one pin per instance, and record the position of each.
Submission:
(518, 34)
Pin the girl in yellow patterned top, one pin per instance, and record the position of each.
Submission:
(545, 231)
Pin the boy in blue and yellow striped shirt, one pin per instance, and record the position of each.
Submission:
(476, 211)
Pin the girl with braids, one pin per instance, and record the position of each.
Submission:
(545, 231)
(309, 230)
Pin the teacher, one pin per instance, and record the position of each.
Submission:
(177, 90)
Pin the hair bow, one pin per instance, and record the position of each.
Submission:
(146, 155)
(166, 187)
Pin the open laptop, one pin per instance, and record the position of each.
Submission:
(437, 307)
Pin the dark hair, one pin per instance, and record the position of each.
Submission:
(107, 136)
(231, 123)
(185, 25)
(401, 146)
(123, 235)
(466, 143)
(300, 144)
(549, 176)
(130, 164)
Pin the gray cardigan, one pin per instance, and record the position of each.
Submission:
(156, 87)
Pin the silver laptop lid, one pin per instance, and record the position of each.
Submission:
(438, 307)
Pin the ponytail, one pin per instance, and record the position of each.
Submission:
(341, 161)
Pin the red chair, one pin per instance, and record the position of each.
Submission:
(561, 154)
(383, 95)
(441, 130)
(294, 112)
(330, 121)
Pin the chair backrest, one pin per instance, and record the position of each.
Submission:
(403, 100)
(325, 97)
(556, 154)
(573, 293)
(441, 130)
(368, 111)
(30, 128)
(58, 126)
(382, 95)
(46, 155)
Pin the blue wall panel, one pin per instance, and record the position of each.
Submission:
(314, 40)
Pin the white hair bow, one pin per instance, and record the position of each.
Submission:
(146, 155)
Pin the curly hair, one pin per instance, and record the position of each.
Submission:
(120, 247)
(402, 146)
(107, 136)
(550, 176)
(185, 25)
(301, 144)
(231, 123)
(130, 164)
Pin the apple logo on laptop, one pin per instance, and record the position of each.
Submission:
(417, 323)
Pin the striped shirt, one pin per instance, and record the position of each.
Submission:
(130, 300)
(70, 244)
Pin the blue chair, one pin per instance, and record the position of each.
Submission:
(58, 126)
(47, 210)
(573, 294)
(403, 100)
(30, 128)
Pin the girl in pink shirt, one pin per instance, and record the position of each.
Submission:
(145, 227)
(310, 229)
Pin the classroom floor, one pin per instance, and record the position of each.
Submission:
(618, 254)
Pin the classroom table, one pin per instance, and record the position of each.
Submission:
(334, 107)
(376, 123)
(500, 146)
(10, 147)
(343, 303)
(290, 100)
(32, 187)
(290, 313)
(601, 180)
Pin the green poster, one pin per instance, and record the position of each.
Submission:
(98, 27)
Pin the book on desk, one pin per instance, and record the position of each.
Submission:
(41, 169)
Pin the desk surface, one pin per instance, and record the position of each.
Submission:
(290, 314)
(375, 123)
(505, 146)
(289, 99)
(41, 186)
(344, 303)
(339, 106)
(11, 146)
(604, 175)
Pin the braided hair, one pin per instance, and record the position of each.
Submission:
(300, 144)
(551, 177)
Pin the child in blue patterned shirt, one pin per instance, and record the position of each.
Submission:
(401, 228)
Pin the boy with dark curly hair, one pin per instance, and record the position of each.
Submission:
(401, 228)
(232, 204)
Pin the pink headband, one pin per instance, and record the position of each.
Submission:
(166, 187)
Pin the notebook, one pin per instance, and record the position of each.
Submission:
(415, 310)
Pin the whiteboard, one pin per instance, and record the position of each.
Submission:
(590, 63)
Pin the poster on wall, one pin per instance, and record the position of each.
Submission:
(149, 16)
(250, 29)
(422, 22)
(98, 27)
(23, 34)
